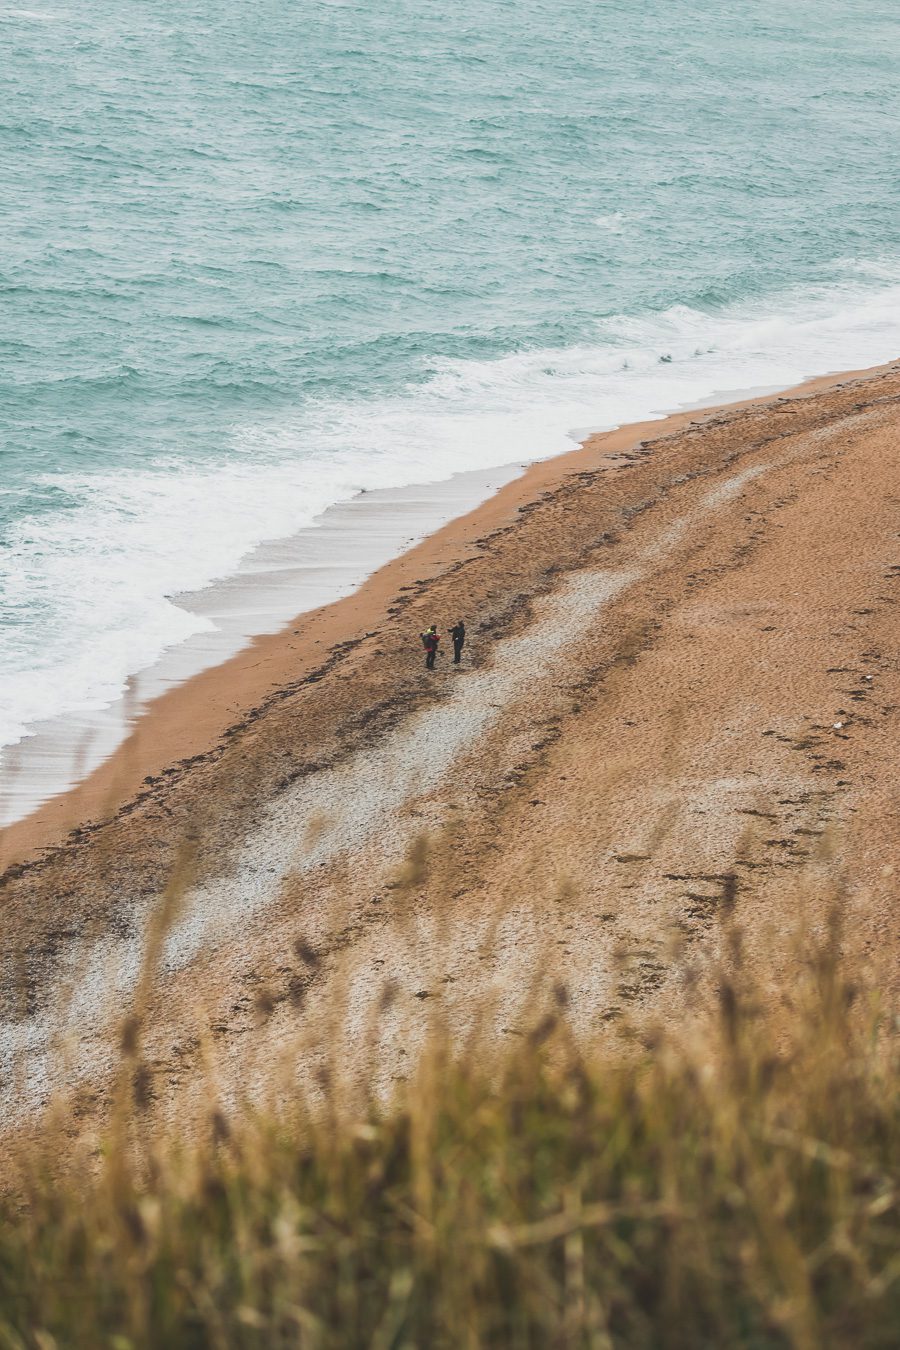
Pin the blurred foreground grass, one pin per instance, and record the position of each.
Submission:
(737, 1186)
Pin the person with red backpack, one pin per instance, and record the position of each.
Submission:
(430, 640)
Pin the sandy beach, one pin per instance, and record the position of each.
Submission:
(681, 685)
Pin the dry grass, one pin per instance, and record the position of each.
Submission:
(734, 1187)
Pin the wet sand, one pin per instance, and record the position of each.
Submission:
(277, 582)
(681, 683)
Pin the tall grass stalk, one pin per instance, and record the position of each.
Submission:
(736, 1185)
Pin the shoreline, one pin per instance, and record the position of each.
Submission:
(274, 586)
(184, 721)
(681, 672)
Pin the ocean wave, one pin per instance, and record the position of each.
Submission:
(91, 592)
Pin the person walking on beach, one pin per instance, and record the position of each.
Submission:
(458, 635)
(430, 640)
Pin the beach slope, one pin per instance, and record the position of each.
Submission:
(680, 697)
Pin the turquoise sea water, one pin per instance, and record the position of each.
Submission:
(256, 257)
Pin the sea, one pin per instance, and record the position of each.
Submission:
(256, 259)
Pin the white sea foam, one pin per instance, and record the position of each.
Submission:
(614, 223)
(102, 578)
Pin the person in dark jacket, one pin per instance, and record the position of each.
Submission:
(430, 640)
(458, 634)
